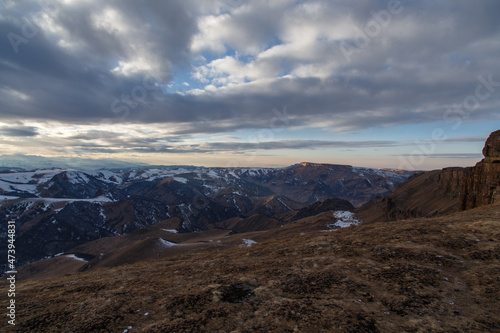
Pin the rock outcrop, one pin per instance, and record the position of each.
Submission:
(441, 192)
(426, 194)
(481, 186)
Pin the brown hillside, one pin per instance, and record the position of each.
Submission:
(441, 191)
(421, 275)
(424, 195)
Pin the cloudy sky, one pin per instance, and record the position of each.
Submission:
(410, 84)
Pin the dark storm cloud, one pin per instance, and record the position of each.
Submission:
(158, 146)
(427, 59)
(19, 131)
(76, 83)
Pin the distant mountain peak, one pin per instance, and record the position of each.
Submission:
(312, 164)
(32, 162)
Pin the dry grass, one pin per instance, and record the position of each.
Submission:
(423, 275)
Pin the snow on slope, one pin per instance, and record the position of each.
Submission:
(165, 243)
(213, 179)
(248, 242)
(344, 219)
(72, 256)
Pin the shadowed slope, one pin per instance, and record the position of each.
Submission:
(416, 275)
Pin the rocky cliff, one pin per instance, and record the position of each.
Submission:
(426, 194)
(481, 185)
(443, 191)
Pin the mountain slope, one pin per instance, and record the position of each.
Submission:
(441, 191)
(423, 195)
(146, 243)
(412, 275)
(68, 207)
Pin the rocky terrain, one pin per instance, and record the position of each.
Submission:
(482, 184)
(421, 275)
(163, 240)
(423, 195)
(57, 210)
(441, 191)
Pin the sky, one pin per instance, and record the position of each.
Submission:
(384, 84)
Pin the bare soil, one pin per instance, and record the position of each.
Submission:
(422, 275)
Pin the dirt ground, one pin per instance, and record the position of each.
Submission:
(423, 275)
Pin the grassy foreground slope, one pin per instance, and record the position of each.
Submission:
(423, 275)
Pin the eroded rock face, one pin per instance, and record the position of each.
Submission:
(491, 149)
(482, 185)
(443, 191)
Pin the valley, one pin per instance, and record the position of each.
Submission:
(59, 209)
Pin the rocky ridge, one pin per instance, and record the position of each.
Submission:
(443, 191)
(481, 185)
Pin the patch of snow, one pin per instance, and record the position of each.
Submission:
(232, 173)
(72, 256)
(166, 243)
(107, 176)
(6, 197)
(212, 173)
(212, 187)
(284, 204)
(248, 242)
(76, 177)
(235, 204)
(8, 187)
(59, 209)
(51, 200)
(174, 231)
(344, 219)
(101, 213)
(181, 180)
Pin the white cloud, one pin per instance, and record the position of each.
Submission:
(134, 67)
(110, 20)
(305, 43)
(15, 94)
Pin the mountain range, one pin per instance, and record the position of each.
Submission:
(58, 209)
(21, 162)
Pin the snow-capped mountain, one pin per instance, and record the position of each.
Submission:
(57, 209)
